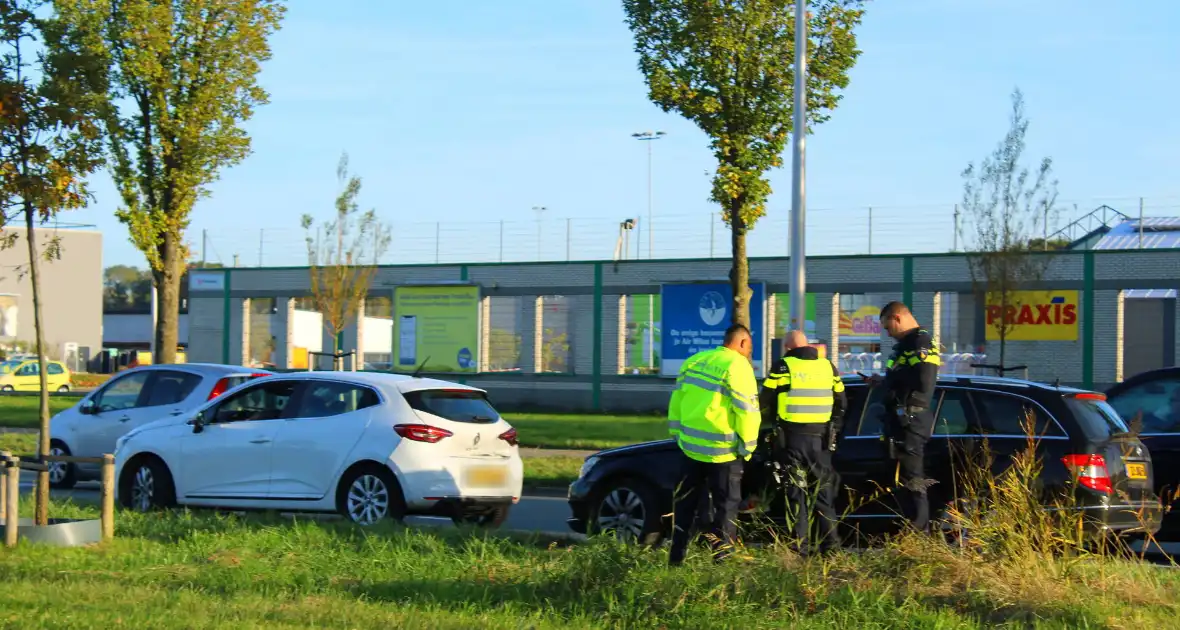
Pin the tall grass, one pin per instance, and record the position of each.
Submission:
(1006, 562)
(199, 570)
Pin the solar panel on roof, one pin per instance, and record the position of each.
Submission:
(1158, 233)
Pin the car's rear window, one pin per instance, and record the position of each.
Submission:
(1097, 418)
(454, 404)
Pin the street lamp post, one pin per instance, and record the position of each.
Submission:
(649, 136)
(798, 193)
(539, 210)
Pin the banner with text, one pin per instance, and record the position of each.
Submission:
(1033, 316)
(863, 324)
(695, 316)
(436, 324)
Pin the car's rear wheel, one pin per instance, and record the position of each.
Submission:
(628, 509)
(491, 518)
(147, 485)
(63, 389)
(370, 494)
(62, 475)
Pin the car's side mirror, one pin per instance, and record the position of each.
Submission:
(88, 408)
(198, 422)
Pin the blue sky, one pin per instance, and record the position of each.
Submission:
(459, 114)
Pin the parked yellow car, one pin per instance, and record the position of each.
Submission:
(23, 376)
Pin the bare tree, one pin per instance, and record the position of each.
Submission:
(1009, 206)
(342, 256)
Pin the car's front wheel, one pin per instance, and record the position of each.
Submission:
(147, 485)
(7, 388)
(370, 494)
(63, 389)
(62, 475)
(630, 510)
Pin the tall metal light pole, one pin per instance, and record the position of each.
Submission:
(798, 193)
(539, 210)
(649, 136)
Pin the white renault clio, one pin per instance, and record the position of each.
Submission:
(367, 445)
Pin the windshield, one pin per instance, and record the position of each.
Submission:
(1097, 418)
(454, 404)
(8, 366)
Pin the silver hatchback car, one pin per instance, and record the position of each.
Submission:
(129, 400)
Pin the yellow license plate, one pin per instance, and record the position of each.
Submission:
(487, 476)
(1136, 471)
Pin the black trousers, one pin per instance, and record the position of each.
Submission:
(811, 484)
(718, 486)
(911, 455)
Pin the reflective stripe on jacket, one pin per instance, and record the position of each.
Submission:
(713, 413)
(807, 391)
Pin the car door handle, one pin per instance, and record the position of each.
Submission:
(262, 441)
(176, 412)
(125, 419)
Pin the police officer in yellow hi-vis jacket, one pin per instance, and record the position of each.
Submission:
(803, 398)
(714, 417)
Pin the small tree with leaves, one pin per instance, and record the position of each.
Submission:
(342, 257)
(728, 67)
(50, 141)
(1008, 207)
(183, 80)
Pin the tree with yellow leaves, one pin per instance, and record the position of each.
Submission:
(51, 95)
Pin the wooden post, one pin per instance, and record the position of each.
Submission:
(3, 484)
(12, 470)
(108, 497)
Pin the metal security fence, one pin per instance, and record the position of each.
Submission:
(890, 229)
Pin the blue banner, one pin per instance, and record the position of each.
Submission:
(695, 317)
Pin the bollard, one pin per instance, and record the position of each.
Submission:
(3, 484)
(108, 497)
(12, 470)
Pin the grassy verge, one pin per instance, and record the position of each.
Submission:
(551, 472)
(572, 431)
(23, 411)
(577, 431)
(179, 570)
(19, 443)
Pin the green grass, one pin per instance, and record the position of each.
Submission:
(572, 431)
(552, 472)
(585, 431)
(24, 411)
(18, 443)
(182, 570)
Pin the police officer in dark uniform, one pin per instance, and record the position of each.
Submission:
(803, 398)
(910, 376)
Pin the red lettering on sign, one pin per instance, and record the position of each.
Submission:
(1070, 312)
(1043, 315)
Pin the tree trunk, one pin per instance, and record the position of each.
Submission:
(168, 308)
(739, 272)
(41, 517)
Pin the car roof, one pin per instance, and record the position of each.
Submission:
(383, 380)
(206, 368)
(991, 382)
